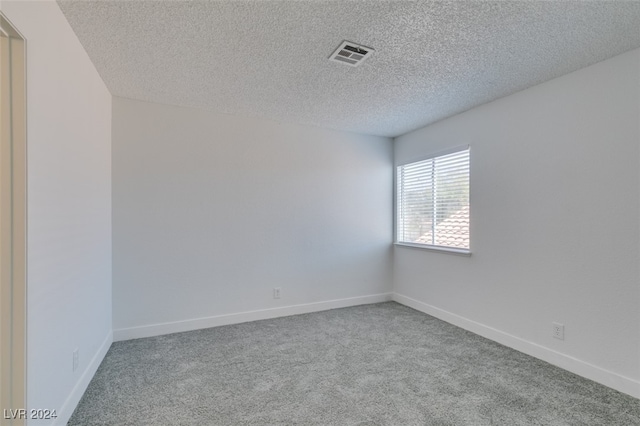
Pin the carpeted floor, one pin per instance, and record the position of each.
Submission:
(382, 364)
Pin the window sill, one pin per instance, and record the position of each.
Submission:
(448, 250)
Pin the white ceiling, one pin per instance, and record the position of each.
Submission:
(269, 58)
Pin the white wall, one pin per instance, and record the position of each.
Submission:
(554, 223)
(211, 212)
(69, 209)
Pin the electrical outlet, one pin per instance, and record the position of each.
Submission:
(276, 292)
(76, 359)
(558, 331)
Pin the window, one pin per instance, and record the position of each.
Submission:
(432, 202)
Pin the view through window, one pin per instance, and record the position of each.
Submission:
(432, 205)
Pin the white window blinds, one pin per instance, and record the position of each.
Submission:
(432, 205)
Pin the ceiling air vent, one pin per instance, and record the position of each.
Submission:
(351, 54)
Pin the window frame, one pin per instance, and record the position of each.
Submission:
(421, 246)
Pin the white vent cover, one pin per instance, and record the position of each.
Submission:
(351, 54)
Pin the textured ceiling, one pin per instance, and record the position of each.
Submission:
(269, 58)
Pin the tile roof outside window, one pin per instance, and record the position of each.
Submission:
(451, 232)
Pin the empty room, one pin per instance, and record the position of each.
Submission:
(320, 212)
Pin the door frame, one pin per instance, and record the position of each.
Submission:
(13, 225)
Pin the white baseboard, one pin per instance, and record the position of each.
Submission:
(81, 386)
(574, 365)
(215, 321)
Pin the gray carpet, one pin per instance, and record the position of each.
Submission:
(382, 364)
